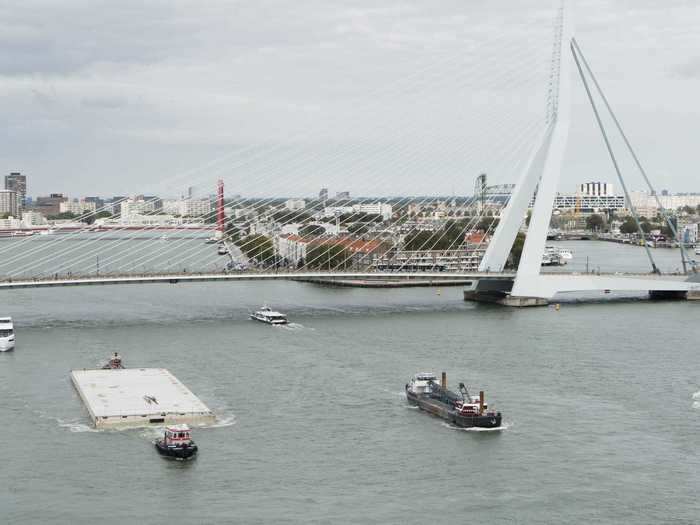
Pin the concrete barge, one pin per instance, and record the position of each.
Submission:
(138, 397)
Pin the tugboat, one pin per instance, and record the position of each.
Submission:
(115, 362)
(177, 443)
(461, 409)
(269, 316)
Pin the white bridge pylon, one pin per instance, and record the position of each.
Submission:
(541, 173)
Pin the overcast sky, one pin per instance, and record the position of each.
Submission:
(379, 98)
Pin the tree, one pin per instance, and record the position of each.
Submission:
(328, 256)
(628, 226)
(487, 224)
(646, 227)
(517, 250)
(311, 230)
(4, 215)
(258, 247)
(358, 228)
(595, 222)
(62, 216)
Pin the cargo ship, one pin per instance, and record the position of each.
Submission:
(459, 408)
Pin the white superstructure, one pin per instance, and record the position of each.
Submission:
(421, 383)
(7, 334)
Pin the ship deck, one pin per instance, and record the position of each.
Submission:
(138, 397)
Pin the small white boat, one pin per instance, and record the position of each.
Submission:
(7, 334)
(269, 316)
(222, 250)
(697, 250)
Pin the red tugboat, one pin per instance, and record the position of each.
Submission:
(460, 409)
(177, 443)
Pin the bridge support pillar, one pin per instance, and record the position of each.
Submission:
(667, 295)
(693, 295)
(496, 290)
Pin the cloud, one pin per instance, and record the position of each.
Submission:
(689, 69)
(363, 84)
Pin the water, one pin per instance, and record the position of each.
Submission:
(601, 402)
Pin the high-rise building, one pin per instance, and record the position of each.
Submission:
(342, 195)
(18, 183)
(323, 195)
(8, 203)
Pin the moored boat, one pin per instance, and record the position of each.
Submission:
(459, 408)
(269, 316)
(177, 443)
(7, 334)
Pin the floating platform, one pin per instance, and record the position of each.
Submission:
(138, 397)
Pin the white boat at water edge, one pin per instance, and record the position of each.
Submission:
(7, 334)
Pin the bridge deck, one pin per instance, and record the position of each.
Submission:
(174, 278)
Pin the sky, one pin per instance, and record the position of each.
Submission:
(377, 98)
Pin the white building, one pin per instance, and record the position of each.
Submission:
(136, 219)
(10, 223)
(648, 206)
(291, 247)
(332, 211)
(76, 207)
(8, 202)
(137, 206)
(32, 218)
(295, 204)
(188, 207)
(375, 208)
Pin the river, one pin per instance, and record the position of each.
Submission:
(601, 402)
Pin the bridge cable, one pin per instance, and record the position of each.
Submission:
(655, 269)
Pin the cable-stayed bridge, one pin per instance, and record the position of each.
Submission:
(281, 240)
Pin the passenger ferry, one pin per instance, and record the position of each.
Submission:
(269, 316)
(459, 408)
(7, 334)
(177, 443)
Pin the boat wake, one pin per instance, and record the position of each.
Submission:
(504, 426)
(76, 426)
(292, 326)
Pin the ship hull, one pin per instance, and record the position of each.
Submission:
(448, 413)
(181, 453)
